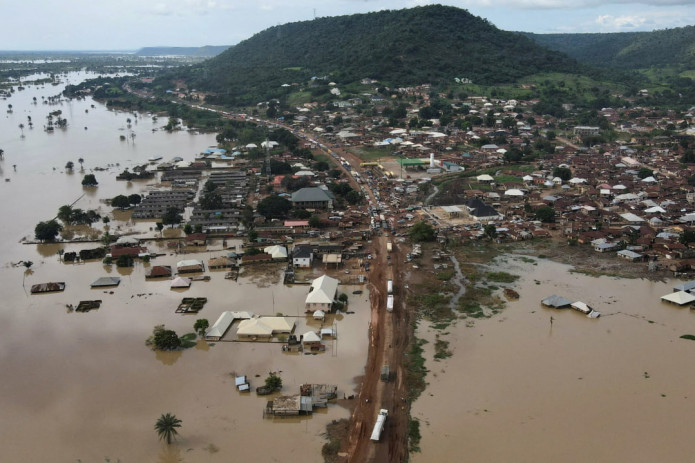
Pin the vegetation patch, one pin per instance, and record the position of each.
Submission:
(441, 349)
(336, 432)
(414, 435)
(502, 277)
(445, 275)
(689, 337)
(415, 371)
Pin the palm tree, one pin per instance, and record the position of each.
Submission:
(81, 161)
(166, 427)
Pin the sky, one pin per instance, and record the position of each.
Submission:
(132, 24)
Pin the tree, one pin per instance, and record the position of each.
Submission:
(645, 172)
(201, 325)
(421, 231)
(166, 426)
(545, 214)
(81, 161)
(274, 206)
(343, 298)
(134, 199)
(89, 180)
(160, 227)
(314, 221)
(188, 229)
(69, 165)
(120, 201)
(172, 217)
(124, 260)
(490, 230)
(353, 197)
(253, 236)
(166, 339)
(274, 382)
(211, 200)
(563, 172)
(65, 214)
(47, 231)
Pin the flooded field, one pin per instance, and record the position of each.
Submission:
(90, 375)
(518, 388)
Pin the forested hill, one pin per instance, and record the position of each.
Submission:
(430, 44)
(206, 51)
(626, 50)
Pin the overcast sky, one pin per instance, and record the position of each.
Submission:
(131, 24)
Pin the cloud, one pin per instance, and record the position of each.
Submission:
(189, 7)
(566, 4)
(644, 21)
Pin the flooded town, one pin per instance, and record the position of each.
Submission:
(383, 277)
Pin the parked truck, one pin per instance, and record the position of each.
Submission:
(389, 246)
(389, 286)
(379, 425)
(389, 303)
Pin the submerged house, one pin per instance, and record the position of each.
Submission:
(322, 293)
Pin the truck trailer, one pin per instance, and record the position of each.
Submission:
(379, 425)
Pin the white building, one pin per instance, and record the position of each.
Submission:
(321, 295)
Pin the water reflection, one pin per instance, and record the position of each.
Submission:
(168, 357)
(169, 453)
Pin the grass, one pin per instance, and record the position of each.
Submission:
(188, 340)
(441, 349)
(370, 154)
(502, 277)
(415, 370)
(689, 337)
(414, 435)
(445, 276)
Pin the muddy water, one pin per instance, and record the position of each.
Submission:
(618, 388)
(90, 375)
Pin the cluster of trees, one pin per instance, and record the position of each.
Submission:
(343, 191)
(124, 202)
(75, 216)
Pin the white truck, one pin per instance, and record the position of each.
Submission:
(389, 287)
(389, 303)
(389, 246)
(379, 425)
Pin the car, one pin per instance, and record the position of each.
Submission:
(347, 271)
(369, 257)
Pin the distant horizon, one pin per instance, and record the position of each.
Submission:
(81, 25)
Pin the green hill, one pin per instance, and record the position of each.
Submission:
(627, 50)
(431, 44)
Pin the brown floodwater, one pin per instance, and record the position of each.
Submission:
(618, 388)
(87, 379)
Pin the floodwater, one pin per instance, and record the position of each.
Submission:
(87, 379)
(518, 388)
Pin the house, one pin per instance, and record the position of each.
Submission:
(216, 331)
(322, 293)
(189, 266)
(277, 252)
(264, 327)
(312, 198)
(159, 271)
(302, 256)
(482, 211)
(196, 239)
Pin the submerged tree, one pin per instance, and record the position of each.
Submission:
(166, 426)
